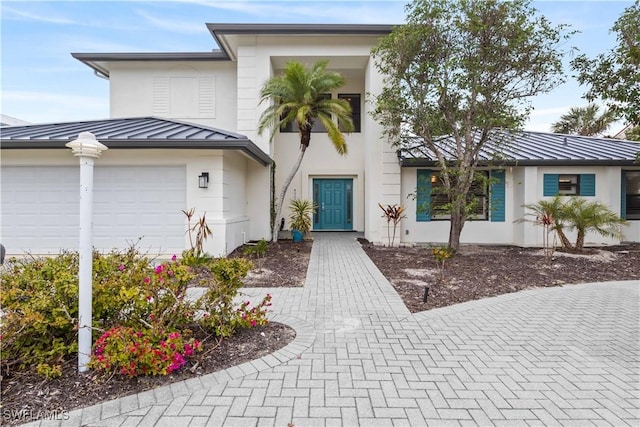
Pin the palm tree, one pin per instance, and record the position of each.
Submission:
(584, 121)
(299, 96)
(584, 216)
(550, 214)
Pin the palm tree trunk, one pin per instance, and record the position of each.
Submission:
(580, 240)
(566, 243)
(285, 187)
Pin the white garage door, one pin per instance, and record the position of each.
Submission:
(40, 208)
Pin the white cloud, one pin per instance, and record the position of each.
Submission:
(23, 15)
(172, 24)
(344, 11)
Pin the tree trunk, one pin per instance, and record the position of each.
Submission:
(580, 240)
(566, 243)
(285, 187)
(457, 222)
(454, 231)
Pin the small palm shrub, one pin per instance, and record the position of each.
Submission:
(301, 212)
(584, 216)
(575, 213)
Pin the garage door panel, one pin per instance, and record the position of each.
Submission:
(40, 208)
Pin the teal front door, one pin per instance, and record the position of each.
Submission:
(334, 198)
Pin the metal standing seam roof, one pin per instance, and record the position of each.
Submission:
(528, 148)
(127, 133)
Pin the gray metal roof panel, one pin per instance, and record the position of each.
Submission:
(141, 132)
(215, 55)
(531, 148)
(286, 29)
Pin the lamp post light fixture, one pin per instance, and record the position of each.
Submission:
(203, 180)
(86, 148)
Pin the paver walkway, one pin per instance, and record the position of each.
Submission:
(554, 356)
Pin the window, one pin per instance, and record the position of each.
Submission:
(477, 195)
(569, 184)
(631, 194)
(354, 101)
(316, 128)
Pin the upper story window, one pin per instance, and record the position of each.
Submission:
(354, 101)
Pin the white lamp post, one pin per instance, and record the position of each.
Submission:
(87, 148)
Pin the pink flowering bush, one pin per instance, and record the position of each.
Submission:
(132, 301)
(131, 352)
(249, 317)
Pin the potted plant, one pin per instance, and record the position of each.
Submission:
(300, 217)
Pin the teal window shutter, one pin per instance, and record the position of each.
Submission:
(588, 184)
(623, 195)
(550, 184)
(497, 195)
(423, 195)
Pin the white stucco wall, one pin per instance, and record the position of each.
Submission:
(200, 91)
(224, 201)
(523, 185)
(437, 231)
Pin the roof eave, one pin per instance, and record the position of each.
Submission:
(528, 162)
(220, 31)
(92, 59)
(244, 145)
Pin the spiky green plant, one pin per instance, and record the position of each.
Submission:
(301, 211)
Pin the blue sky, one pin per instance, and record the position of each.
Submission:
(41, 82)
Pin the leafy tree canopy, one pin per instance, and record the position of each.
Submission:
(463, 68)
(614, 76)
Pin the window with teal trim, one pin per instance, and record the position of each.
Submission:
(569, 184)
(497, 196)
(631, 193)
(423, 195)
(432, 200)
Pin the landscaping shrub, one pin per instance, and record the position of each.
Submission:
(39, 302)
(135, 305)
(217, 301)
(134, 352)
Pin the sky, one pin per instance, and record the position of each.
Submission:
(41, 83)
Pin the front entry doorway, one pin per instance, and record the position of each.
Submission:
(334, 198)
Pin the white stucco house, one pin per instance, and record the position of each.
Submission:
(179, 119)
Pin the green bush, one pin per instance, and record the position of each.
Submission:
(131, 296)
(40, 302)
